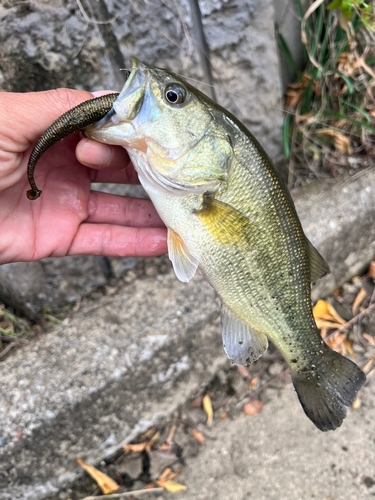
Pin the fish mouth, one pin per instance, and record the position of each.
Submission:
(125, 108)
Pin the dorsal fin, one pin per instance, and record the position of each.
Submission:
(184, 263)
(318, 266)
(242, 344)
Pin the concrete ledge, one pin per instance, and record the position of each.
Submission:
(120, 365)
(128, 360)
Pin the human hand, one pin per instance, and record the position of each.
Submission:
(69, 218)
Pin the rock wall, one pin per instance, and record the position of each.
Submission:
(83, 44)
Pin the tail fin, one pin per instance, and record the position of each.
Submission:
(326, 391)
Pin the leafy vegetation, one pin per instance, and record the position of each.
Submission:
(330, 120)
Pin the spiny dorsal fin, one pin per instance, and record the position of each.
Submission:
(318, 266)
(242, 344)
(184, 263)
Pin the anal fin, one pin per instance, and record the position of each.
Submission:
(184, 263)
(242, 344)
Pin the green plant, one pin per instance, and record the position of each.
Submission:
(330, 120)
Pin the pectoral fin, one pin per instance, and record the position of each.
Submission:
(318, 266)
(184, 263)
(236, 232)
(242, 344)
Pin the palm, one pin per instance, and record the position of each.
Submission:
(71, 219)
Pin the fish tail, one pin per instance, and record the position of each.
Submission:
(325, 391)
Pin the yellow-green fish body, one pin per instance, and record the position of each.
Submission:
(228, 213)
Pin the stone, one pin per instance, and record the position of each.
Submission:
(49, 44)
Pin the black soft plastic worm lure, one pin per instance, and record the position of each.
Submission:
(78, 118)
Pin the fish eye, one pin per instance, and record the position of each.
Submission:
(175, 94)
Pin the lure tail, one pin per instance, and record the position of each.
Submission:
(78, 118)
(325, 392)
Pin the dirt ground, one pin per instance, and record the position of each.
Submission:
(260, 444)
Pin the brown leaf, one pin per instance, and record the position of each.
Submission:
(349, 349)
(197, 435)
(224, 415)
(341, 142)
(368, 366)
(253, 383)
(362, 294)
(152, 441)
(243, 371)
(369, 338)
(171, 486)
(325, 310)
(357, 403)
(135, 448)
(165, 447)
(105, 483)
(337, 342)
(207, 407)
(371, 270)
(148, 434)
(253, 407)
(168, 474)
(322, 324)
(147, 445)
(197, 402)
(171, 434)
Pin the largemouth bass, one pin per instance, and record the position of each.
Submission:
(229, 214)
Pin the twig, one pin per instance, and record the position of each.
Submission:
(349, 323)
(309, 11)
(8, 348)
(94, 21)
(125, 494)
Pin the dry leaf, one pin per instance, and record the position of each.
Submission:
(197, 435)
(357, 403)
(148, 434)
(171, 434)
(207, 407)
(341, 142)
(362, 294)
(243, 371)
(371, 270)
(152, 441)
(165, 475)
(253, 383)
(138, 447)
(349, 349)
(324, 310)
(171, 486)
(105, 483)
(369, 338)
(168, 474)
(253, 407)
(165, 447)
(368, 366)
(224, 415)
(337, 342)
(323, 331)
(321, 324)
(135, 448)
(197, 402)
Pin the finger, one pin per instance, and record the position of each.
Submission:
(22, 109)
(113, 209)
(99, 156)
(117, 241)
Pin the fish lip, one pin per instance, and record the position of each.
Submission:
(137, 79)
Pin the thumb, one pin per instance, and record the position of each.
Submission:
(29, 114)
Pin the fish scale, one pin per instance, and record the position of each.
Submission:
(229, 214)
